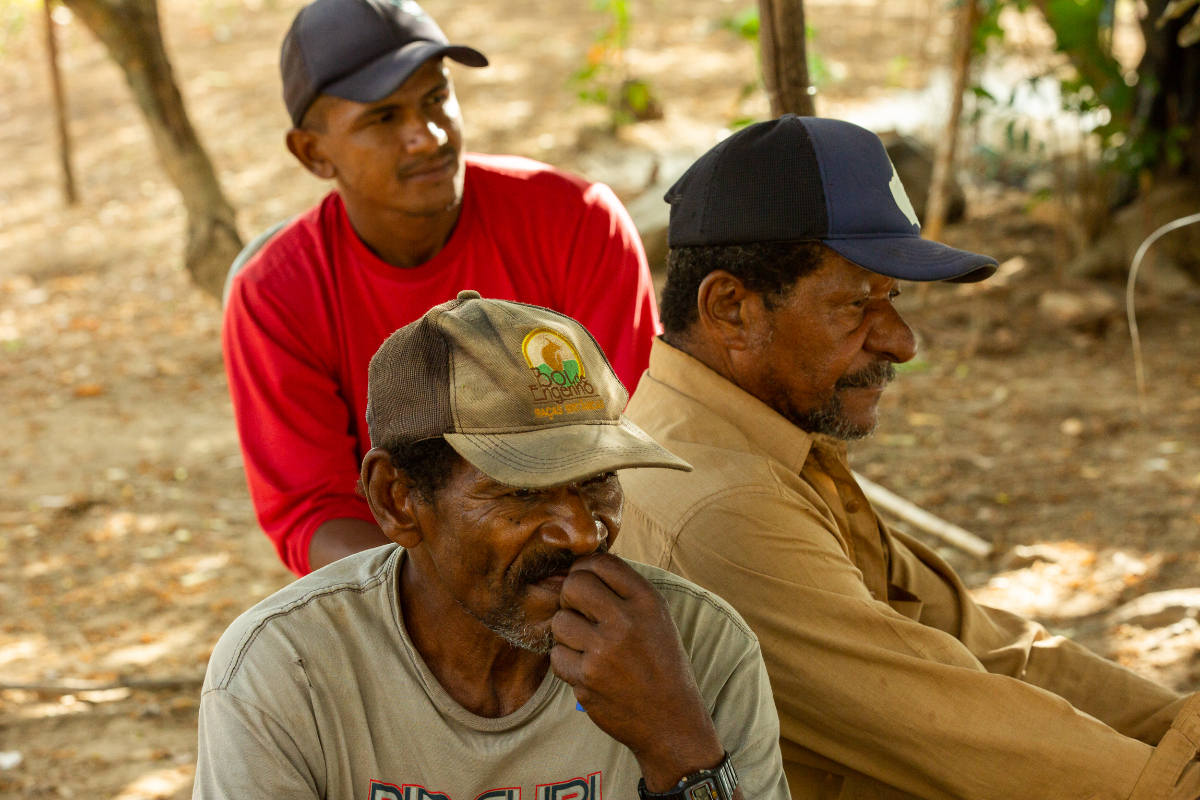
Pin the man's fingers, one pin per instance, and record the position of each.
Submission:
(585, 592)
(567, 664)
(572, 629)
(614, 572)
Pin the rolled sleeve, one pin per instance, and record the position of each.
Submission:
(898, 701)
(1007, 644)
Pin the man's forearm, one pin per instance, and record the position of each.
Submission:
(339, 538)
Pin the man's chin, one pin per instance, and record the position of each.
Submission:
(525, 623)
(431, 207)
(839, 420)
(536, 638)
(418, 199)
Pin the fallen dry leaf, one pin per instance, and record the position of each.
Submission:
(89, 390)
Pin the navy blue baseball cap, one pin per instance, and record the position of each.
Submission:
(812, 179)
(360, 50)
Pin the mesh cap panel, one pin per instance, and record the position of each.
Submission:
(408, 386)
(762, 184)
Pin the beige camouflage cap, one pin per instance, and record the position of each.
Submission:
(521, 392)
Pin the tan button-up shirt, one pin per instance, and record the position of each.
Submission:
(889, 679)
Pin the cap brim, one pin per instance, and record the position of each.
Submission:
(384, 75)
(911, 258)
(553, 456)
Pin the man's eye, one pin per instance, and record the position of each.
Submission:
(893, 294)
(439, 98)
(521, 494)
(600, 479)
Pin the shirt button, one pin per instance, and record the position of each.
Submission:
(852, 507)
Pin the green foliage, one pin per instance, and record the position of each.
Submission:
(745, 26)
(15, 16)
(604, 78)
(607, 53)
(896, 67)
(637, 97)
(1097, 88)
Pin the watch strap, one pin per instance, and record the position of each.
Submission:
(717, 783)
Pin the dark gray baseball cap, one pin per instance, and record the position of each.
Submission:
(360, 50)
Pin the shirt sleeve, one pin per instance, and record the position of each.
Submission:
(293, 422)
(1007, 644)
(609, 289)
(745, 717)
(729, 671)
(243, 753)
(894, 700)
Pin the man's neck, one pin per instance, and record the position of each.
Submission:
(700, 348)
(401, 239)
(481, 671)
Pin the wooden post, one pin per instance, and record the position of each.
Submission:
(60, 109)
(943, 162)
(784, 59)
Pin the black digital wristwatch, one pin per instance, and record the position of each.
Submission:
(708, 784)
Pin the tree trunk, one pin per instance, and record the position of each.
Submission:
(130, 31)
(943, 162)
(1168, 95)
(784, 59)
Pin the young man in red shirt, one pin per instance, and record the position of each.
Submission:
(411, 223)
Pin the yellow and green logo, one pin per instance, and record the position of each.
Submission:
(555, 359)
(560, 383)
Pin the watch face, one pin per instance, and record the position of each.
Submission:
(705, 790)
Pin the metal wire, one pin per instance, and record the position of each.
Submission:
(1138, 365)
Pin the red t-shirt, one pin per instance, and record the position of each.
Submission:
(309, 310)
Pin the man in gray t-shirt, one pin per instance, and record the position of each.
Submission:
(498, 652)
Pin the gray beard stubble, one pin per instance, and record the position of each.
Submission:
(830, 419)
(509, 621)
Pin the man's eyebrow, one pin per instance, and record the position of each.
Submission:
(442, 84)
(382, 108)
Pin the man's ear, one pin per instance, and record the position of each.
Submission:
(391, 497)
(306, 147)
(728, 310)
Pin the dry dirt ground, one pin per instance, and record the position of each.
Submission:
(127, 541)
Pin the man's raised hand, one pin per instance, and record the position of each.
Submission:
(618, 648)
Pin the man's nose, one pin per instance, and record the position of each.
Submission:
(423, 135)
(891, 337)
(573, 524)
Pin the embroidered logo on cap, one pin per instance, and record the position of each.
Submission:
(550, 354)
(558, 375)
(901, 197)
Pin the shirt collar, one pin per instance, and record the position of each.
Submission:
(763, 426)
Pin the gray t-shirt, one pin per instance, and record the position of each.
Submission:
(317, 692)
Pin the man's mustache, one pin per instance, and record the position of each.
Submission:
(544, 563)
(880, 373)
(444, 153)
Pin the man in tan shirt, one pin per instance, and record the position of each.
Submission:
(496, 651)
(890, 681)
